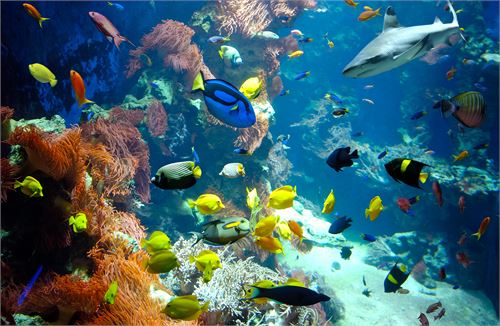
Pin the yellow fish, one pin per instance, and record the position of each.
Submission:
(185, 307)
(251, 87)
(265, 284)
(282, 198)
(265, 226)
(30, 187)
(284, 230)
(42, 74)
(329, 203)
(204, 258)
(208, 273)
(157, 241)
(79, 222)
(462, 155)
(295, 54)
(110, 295)
(207, 204)
(253, 200)
(270, 244)
(294, 282)
(374, 208)
(162, 261)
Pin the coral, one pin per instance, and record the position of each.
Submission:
(171, 40)
(278, 165)
(134, 117)
(8, 173)
(58, 156)
(156, 119)
(251, 138)
(276, 86)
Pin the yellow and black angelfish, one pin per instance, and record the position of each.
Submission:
(396, 277)
(407, 171)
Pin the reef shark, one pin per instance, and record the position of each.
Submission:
(397, 45)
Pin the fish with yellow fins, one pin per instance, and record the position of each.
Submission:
(185, 307)
(295, 54)
(33, 12)
(178, 175)
(253, 200)
(266, 226)
(396, 277)
(157, 241)
(233, 170)
(251, 87)
(296, 229)
(78, 222)
(79, 88)
(282, 197)
(407, 171)
(207, 204)
(162, 261)
(374, 209)
(42, 74)
(265, 284)
(30, 187)
(329, 203)
(368, 14)
(462, 155)
(206, 262)
(284, 230)
(110, 295)
(270, 244)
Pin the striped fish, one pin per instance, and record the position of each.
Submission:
(469, 108)
(179, 175)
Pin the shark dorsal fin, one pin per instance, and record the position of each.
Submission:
(437, 20)
(390, 19)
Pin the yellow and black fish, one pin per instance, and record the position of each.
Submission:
(407, 170)
(396, 277)
(469, 108)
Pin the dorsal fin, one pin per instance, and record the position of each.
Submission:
(390, 19)
(437, 20)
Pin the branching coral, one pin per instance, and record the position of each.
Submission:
(156, 119)
(8, 173)
(134, 117)
(279, 166)
(251, 138)
(171, 40)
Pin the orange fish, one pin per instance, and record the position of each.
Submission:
(351, 3)
(369, 13)
(33, 12)
(451, 73)
(296, 229)
(79, 88)
(482, 227)
(462, 155)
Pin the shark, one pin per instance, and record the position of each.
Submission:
(397, 45)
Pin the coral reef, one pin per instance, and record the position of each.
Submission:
(156, 119)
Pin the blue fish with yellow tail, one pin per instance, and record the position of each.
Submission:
(225, 102)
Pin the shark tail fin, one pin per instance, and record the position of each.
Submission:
(452, 10)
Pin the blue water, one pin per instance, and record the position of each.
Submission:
(71, 41)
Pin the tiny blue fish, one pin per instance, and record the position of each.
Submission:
(241, 151)
(456, 286)
(28, 287)
(302, 75)
(306, 40)
(284, 92)
(418, 115)
(86, 116)
(116, 5)
(382, 155)
(155, 84)
(195, 156)
(368, 237)
(358, 134)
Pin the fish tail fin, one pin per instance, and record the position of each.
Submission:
(119, 39)
(227, 39)
(367, 212)
(355, 154)
(143, 243)
(198, 236)
(221, 54)
(477, 234)
(205, 306)
(198, 83)
(110, 4)
(192, 259)
(53, 82)
(423, 177)
(71, 220)
(17, 184)
(197, 172)
(355, 3)
(191, 203)
(84, 101)
(41, 20)
(145, 263)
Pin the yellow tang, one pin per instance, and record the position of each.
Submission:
(282, 198)
(208, 273)
(157, 241)
(265, 284)
(270, 244)
(329, 203)
(251, 87)
(265, 226)
(162, 261)
(294, 282)
(207, 204)
(185, 307)
(374, 208)
(284, 230)
(79, 222)
(253, 200)
(204, 258)
(30, 187)
(42, 74)
(110, 295)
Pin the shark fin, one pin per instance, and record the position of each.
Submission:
(414, 51)
(437, 20)
(390, 19)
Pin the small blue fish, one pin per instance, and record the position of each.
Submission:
(382, 155)
(241, 151)
(418, 115)
(28, 287)
(334, 98)
(339, 225)
(218, 39)
(302, 75)
(456, 286)
(480, 87)
(284, 92)
(368, 237)
(116, 5)
(195, 156)
(358, 134)
(306, 40)
(154, 84)
(86, 116)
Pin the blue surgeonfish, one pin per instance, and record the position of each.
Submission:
(225, 102)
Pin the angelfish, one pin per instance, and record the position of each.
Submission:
(106, 27)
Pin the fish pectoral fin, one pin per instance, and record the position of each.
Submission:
(414, 51)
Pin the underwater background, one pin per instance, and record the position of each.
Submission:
(98, 159)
